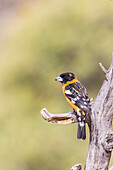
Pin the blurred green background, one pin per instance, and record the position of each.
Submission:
(38, 41)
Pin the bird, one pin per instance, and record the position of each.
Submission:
(77, 96)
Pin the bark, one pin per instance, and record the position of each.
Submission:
(99, 120)
(101, 134)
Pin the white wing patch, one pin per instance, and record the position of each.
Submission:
(78, 98)
(83, 107)
(73, 101)
(68, 92)
(78, 112)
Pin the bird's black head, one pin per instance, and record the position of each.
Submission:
(66, 77)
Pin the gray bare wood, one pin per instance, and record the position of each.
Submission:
(99, 120)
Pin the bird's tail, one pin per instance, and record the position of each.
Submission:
(81, 133)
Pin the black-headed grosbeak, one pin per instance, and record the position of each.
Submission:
(77, 96)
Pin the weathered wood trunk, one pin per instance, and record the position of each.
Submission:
(99, 120)
(101, 126)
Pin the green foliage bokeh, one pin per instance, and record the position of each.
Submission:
(44, 39)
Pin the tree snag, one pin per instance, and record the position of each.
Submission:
(99, 120)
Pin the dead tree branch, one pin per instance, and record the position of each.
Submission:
(64, 118)
(99, 120)
(101, 135)
(102, 68)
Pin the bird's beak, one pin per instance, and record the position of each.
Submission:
(59, 79)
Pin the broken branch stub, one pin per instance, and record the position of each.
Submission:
(64, 118)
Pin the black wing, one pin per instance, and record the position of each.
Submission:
(78, 95)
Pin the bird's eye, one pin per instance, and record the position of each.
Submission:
(63, 76)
